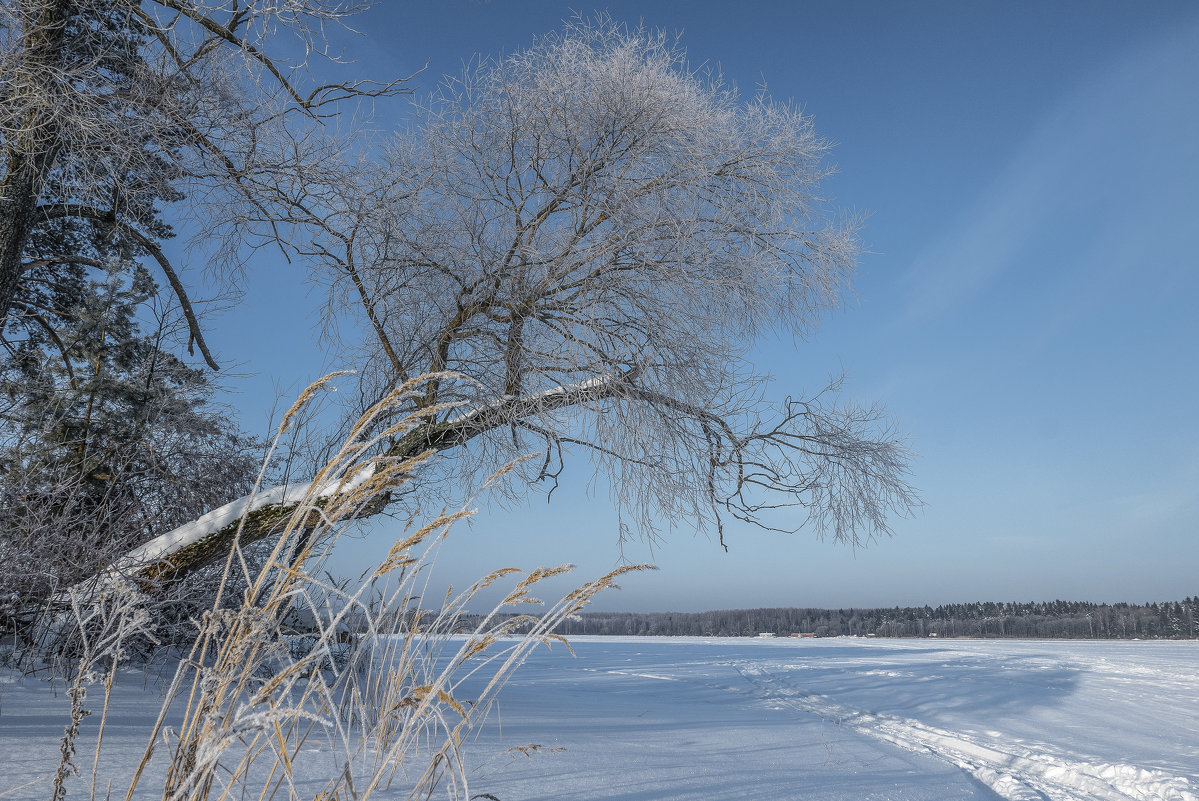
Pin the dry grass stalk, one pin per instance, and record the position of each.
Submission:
(386, 689)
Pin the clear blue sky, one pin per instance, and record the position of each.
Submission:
(1027, 311)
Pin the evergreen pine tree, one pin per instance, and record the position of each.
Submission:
(108, 438)
(106, 435)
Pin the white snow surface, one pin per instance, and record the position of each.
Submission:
(653, 719)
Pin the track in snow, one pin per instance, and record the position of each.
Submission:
(1012, 770)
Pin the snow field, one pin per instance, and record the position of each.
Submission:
(667, 719)
(898, 719)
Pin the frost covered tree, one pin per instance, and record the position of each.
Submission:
(112, 109)
(115, 116)
(579, 243)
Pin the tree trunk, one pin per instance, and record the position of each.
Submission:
(172, 556)
(35, 144)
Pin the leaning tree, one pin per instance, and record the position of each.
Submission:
(576, 245)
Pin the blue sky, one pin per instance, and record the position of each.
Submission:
(1026, 311)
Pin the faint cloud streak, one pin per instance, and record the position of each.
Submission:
(1105, 151)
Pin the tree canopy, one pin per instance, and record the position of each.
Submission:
(593, 235)
(570, 251)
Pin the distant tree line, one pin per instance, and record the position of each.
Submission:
(1048, 620)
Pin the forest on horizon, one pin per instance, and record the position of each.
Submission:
(1040, 620)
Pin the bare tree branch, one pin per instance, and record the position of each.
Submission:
(128, 106)
(88, 213)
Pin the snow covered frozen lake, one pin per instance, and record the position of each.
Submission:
(650, 719)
